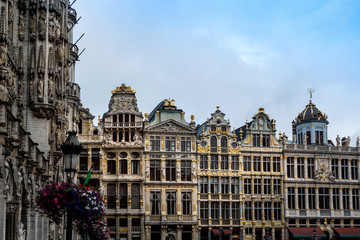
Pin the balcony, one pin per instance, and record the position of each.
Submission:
(123, 124)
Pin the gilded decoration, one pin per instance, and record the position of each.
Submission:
(123, 89)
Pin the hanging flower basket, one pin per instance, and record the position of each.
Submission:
(85, 203)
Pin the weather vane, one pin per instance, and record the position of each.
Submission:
(311, 90)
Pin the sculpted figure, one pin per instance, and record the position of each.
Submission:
(194, 173)
(3, 55)
(32, 87)
(348, 139)
(147, 172)
(59, 52)
(40, 87)
(178, 173)
(33, 25)
(357, 141)
(51, 88)
(42, 25)
(21, 23)
(4, 93)
(337, 140)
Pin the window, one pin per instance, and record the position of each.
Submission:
(335, 167)
(155, 143)
(214, 164)
(301, 198)
(225, 185)
(225, 210)
(235, 185)
(291, 198)
(290, 167)
(276, 164)
(311, 167)
(135, 166)
(344, 169)
(95, 158)
(83, 161)
(300, 138)
(277, 186)
(235, 207)
(300, 167)
(266, 164)
(123, 166)
(256, 140)
(114, 137)
(257, 186)
(224, 163)
(170, 144)
(123, 195)
(111, 167)
(346, 198)
(267, 210)
(170, 170)
(155, 170)
(311, 197)
(247, 186)
(355, 198)
(277, 210)
(336, 198)
(111, 196)
(204, 210)
(319, 137)
(248, 214)
(247, 163)
(203, 162)
(235, 162)
(186, 170)
(186, 203)
(308, 137)
(135, 196)
(267, 186)
(186, 144)
(324, 198)
(257, 164)
(266, 140)
(213, 144)
(171, 203)
(203, 184)
(257, 210)
(224, 147)
(214, 185)
(354, 169)
(215, 210)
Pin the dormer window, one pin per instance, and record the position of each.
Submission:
(319, 137)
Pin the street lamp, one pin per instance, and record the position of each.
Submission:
(71, 150)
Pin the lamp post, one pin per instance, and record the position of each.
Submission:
(71, 150)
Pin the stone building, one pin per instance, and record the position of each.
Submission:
(262, 178)
(219, 179)
(38, 104)
(170, 174)
(114, 152)
(321, 180)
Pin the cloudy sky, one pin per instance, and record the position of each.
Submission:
(240, 55)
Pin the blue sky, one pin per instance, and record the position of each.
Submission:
(240, 55)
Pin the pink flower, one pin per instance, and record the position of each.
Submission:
(56, 201)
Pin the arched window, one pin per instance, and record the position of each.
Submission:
(96, 132)
(224, 144)
(213, 144)
(171, 203)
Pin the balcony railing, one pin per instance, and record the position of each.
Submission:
(123, 124)
(135, 229)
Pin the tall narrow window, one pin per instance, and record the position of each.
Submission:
(344, 169)
(257, 210)
(319, 137)
(111, 196)
(300, 139)
(235, 184)
(225, 210)
(214, 165)
(277, 186)
(135, 166)
(335, 167)
(224, 162)
(213, 144)
(346, 198)
(123, 166)
(290, 167)
(121, 118)
(203, 184)
(224, 144)
(127, 137)
(123, 195)
(355, 196)
(204, 210)
(203, 162)
(186, 203)
(186, 170)
(256, 140)
(248, 212)
(135, 196)
(267, 186)
(234, 162)
(266, 140)
(155, 203)
(225, 185)
(247, 186)
(308, 137)
(291, 198)
(277, 210)
(257, 164)
(267, 211)
(301, 198)
(111, 167)
(354, 169)
(300, 167)
(324, 198)
(247, 163)
(127, 118)
(235, 207)
(83, 161)
(276, 164)
(311, 197)
(155, 169)
(215, 213)
(336, 198)
(311, 167)
(266, 164)
(214, 185)
(170, 144)
(170, 170)
(114, 136)
(257, 186)
(155, 143)
(132, 118)
(95, 158)
(171, 203)
(185, 144)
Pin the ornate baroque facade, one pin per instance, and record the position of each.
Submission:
(38, 104)
(165, 178)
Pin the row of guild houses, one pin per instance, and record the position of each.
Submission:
(165, 178)
(38, 105)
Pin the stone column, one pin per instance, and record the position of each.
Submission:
(339, 169)
(284, 163)
(351, 199)
(306, 168)
(295, 168)
(358, 169)
(331, 198)
(306, 197)
(194, 233)
(129, 227)
(147, 232)
(317, 197)
(286, 197)
(2, 211)
(349, 169)
(341, 199)
(178, 232)
(142, 230)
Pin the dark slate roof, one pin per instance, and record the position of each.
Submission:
(311, 114)
(199, 129)
(152, 114)
(243, 128)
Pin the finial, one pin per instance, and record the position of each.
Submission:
(99, 120)
(217, 107)
(247, 123)
(311, 90)
(192, 117)
(146, 116)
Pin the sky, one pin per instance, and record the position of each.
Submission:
(240, 55)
